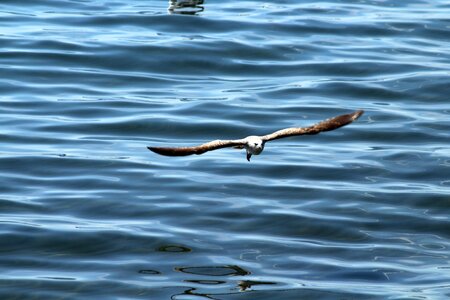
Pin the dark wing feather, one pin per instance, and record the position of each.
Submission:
(327, 125)
(183, 151)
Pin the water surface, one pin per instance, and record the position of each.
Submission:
(88, 212)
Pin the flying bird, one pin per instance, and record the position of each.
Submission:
(253, 144)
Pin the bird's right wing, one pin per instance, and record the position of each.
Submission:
(200, 149)
(327, 125)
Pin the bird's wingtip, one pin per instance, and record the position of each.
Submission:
(357, 114)
(156, 150)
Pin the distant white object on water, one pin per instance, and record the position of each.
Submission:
(185, 6)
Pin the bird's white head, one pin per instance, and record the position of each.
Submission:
(255, 145)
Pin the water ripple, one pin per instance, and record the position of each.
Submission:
(87, 211)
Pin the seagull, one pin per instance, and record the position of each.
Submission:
(254, 144)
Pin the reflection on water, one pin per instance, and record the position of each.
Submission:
(215, 271)
(192, 292)
(174, 248)
(206, 282)
(245, 285)
(187, 7)
(224, 287)
(149, 272)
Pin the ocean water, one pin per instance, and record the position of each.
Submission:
(87, 212)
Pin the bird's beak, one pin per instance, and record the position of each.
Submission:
(248, 156)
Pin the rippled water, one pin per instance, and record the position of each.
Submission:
(87, 212)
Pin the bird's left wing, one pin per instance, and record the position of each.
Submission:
(327, 125)
(200, 149)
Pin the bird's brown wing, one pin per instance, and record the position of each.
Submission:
(183, 151)
(327, 125)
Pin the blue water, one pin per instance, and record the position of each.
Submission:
(87, 212)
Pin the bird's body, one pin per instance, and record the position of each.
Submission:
(253, 144)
